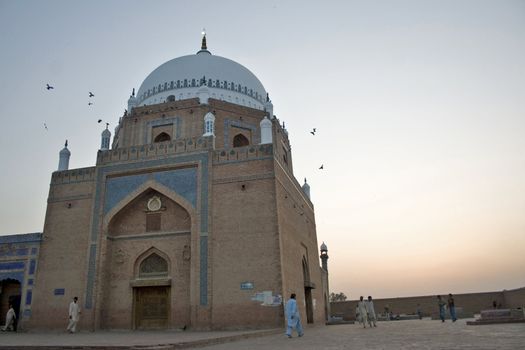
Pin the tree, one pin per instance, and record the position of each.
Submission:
(337, 297)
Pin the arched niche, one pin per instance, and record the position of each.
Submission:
(162, 137)
(153, 263)
(149, 212)
(240, 140)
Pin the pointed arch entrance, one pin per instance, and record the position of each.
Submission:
(308, 286)
(149, 261)
(151, 302)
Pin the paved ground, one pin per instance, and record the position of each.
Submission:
(412, 334)
(395, 335)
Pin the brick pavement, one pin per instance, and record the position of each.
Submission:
(411, 334)
(394, 335)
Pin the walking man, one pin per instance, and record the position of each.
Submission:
(362, 312)
(451, 308)
(10, 319)
(292, 317)
(371, 312)
(441, 304)
(74, 315)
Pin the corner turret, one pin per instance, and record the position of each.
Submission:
(63, 161)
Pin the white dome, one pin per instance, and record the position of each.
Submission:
(182, 77)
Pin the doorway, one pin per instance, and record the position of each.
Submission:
(10, 291)
(152, 307)
(309, 306)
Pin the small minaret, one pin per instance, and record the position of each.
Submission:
(63, 160)
(268, 106)
(209, 124)
(203, 93)
(106, 137)
(324, 257)
(132, 102)
(266, 131)
(306, 189)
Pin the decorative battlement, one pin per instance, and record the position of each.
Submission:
(154, 150)
(74, 175)
(243, 153)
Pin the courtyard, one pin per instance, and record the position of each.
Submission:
(411, 334)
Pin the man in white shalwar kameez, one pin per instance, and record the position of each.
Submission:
(371, 312)
(363, 316)
(293, 318)
(10, 318)
(74, 315)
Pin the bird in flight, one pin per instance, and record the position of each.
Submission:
(49, 87)
(321, 167)
(45, 126)
(99, 121)
(313, 131)
(90, 103)
(91, 94)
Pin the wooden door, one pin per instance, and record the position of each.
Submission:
(152, 307)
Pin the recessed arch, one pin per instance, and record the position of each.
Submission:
(162, 137)
(153, 185)
(152, 263)
(240, 140)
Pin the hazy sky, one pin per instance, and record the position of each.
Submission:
(419, 107)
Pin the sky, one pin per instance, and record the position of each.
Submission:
(419, 108)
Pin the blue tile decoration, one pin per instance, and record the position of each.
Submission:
(59, 291)
(22, 251)
(182, 181)
(118, 188)
(30, 282)
(34, 251)
(22, 238)
(15, 252)
(91, 276)
(14, 275)
(12, 265)
(204, 270)
(32, 267)
(29, 297)
(253, 128)
(202, 159)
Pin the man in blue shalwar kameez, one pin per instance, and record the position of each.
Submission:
(292, 317)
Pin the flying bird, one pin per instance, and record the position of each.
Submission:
(90, 103)
(99, 121)
(313, 131)
(45, 126)
(91, 94)
(321, 167)
(49, 87)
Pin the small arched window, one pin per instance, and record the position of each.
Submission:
(240, 141)
(170, 98)
(162, 137)
(153, 266)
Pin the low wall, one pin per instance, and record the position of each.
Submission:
(467, 304)
(514, 298)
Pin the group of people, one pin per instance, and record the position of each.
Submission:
(365, 312)
(442, 304)
(74, 313)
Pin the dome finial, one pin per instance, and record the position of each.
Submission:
(203, 44)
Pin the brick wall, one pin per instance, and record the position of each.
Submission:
(471, 303)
